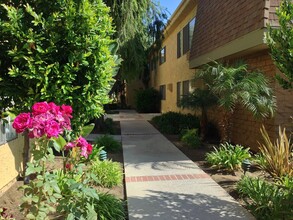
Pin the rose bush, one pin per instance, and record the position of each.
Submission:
(49, 125)
(46, 119)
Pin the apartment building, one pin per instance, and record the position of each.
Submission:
(222, 30)
(170, 72)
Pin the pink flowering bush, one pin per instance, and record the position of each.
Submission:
(50, 120)
(46, 119)
(82, 144)
(49, 125)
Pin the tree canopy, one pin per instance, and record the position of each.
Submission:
(280, 42)
(56, 51)
(139, 24)
(236, 85)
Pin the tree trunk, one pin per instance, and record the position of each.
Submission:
(225, 124)
(26, 156)
(203, 124)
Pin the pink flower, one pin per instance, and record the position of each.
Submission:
(22, 122)
(40, 107)
(52, 129)
(55, 109)
(81, 142)
(36, 132)
(84, 152)
(69, 145)
(66, 110)
(89, 148)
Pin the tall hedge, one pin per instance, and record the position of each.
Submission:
(148, 101)
(56, 51)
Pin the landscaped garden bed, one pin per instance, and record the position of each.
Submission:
(262, 182)
(78, 184)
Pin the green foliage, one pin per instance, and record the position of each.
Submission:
(278, 156)
(198, 99)
(109, 143)
(70, 188)
(236, 85)
(108, 173)
(139, 24)
(280, 42)
(56, 51)
(108, 126)
(267, 200)
(191, 138)
(174, 122)
(148, 101)
(77, 197)
(260, 160)
(109, 207)
(228, 156)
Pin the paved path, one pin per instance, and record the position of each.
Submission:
(162, 183)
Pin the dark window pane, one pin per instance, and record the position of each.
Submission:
(186, 87)
(163, 92)
(178, 92)
(179, 45)
(186, 39)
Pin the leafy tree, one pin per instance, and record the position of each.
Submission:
(280, 42)
(55, 51)
(139, 23)
(236, 85)
(200, 99)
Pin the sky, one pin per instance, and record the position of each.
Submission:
(171, 5)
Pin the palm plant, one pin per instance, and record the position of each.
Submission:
(234, 85)
(200, 99)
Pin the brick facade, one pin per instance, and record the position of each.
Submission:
(273, 19)
(219, 22)
(245, 129)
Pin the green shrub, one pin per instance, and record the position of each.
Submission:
(109, 207)
(267, 200)
(109, 126)
(260, 160)
(108, 173)
(191, 138)
(228, 156)
(109, 143)
(174, 122)
(147, 101)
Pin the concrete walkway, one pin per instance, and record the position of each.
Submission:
(162, 183)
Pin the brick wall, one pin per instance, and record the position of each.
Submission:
(219, 22)
(273, 19)
(245, 128)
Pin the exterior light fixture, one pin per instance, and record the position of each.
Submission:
(103, 155)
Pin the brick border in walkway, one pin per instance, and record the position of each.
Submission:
(165, 177)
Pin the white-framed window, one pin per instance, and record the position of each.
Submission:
(7, 132)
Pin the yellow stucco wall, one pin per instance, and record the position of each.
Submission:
(10, 162)
(174, 69)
